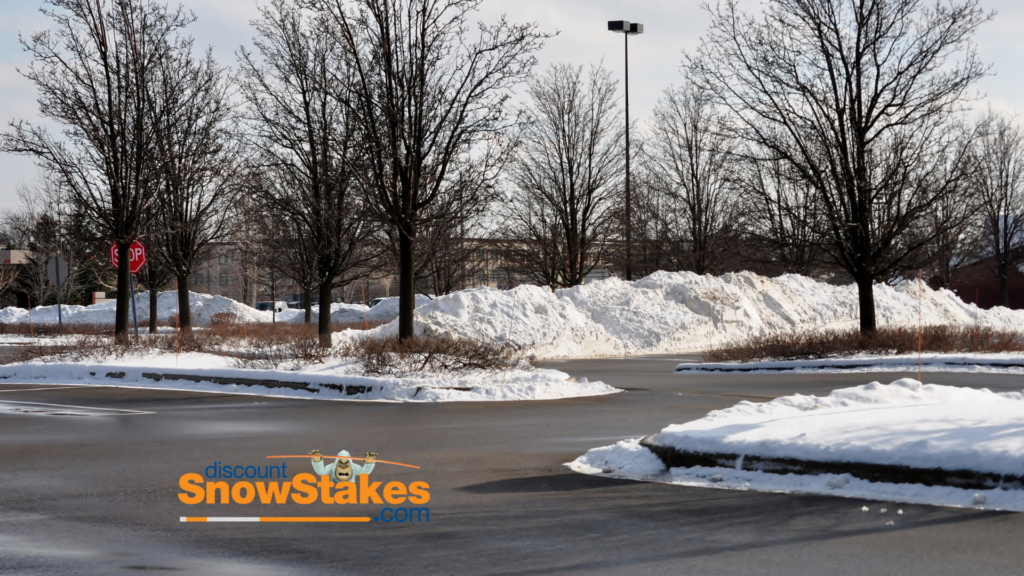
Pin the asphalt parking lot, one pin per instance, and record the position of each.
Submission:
(89, 484)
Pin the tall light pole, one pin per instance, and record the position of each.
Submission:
(627, 29)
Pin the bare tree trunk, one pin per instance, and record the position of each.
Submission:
(324, 321)
(1004, 288)
(866, 298)
(406, 286)
(124, 277)
(184, 306)
(154, 298)
(308, 319)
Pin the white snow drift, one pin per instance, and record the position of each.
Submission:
(673, 312)
(904, 423)
(666, 312)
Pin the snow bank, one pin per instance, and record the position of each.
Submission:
(905, 423)
(629, 460)
(675, 312)
(385, 311)
(666, 312)
(203, 306)
(337, 381)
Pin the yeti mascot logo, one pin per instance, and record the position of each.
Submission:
(343, 469)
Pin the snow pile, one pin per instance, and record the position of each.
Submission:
(666, 312)
(204, 307)
(673, 312)
(904, 423)
(333, 381)
(385, 311)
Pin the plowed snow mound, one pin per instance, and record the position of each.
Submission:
(675, 312)
(203, 306)
(666, 312)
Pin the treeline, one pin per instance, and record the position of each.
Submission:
(359, 139)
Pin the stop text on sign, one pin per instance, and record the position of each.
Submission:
(136, 256)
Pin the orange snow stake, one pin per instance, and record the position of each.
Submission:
(349, 458)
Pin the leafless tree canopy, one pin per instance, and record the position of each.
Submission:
(306, 147)
(427, 89)
(999, 186)
(695, 167)
(92, 71)
(197, 162)
(565, 177)
(857, 98)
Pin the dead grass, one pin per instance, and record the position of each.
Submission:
(885, 341)
(393, 357)
(290, 346)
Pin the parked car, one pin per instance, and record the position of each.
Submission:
(267, 306)
(376, 301)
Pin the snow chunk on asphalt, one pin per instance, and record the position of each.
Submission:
(626, 457)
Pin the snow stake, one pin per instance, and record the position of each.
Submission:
(920, 290)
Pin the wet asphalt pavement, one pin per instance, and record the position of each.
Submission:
(96, 493)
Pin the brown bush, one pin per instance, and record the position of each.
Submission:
(223, 318)
(885, 341)
(393, 357)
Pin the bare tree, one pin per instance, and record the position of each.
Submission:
(425, 93)
(156, 275)
(92, 72)
(566, 175)
(91, 75)
(782, 216)
(305, 139)
(694, 160)
(46, 226)
(857, 98)
(999, 183)
(197, 163)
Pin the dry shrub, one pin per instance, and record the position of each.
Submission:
(291, 353)
(884, 341)
(390, 356)
(223, 318)
(53, 329)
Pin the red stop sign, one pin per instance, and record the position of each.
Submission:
(136, 256)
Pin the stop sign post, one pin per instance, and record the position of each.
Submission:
(136, 259)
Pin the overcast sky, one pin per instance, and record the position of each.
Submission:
(671, 26)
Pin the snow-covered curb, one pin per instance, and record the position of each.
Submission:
(208, 373)
(1005, 363)
(905, 429)
(629, 461)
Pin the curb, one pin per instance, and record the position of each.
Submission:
(718, 368)
(967, 479)
(349, 389)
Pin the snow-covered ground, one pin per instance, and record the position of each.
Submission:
(666, 312)
(1003, 363)
(337, 380)
(904, 424)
